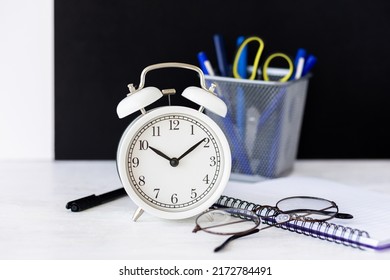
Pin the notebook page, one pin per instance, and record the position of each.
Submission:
(371, 210)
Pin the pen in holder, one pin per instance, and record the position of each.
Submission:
(273, 114)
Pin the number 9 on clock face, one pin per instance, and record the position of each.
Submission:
(174, 162)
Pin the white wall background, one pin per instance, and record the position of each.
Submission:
(26, 79)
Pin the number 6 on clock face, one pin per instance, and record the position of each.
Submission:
(174, 162)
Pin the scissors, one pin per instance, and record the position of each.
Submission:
(256, 61)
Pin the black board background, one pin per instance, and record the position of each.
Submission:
(101, 46)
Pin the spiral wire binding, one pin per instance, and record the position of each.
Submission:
(322, 230)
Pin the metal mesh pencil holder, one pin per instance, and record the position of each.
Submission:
(262, 124)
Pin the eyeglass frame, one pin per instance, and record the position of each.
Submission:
(287, 217)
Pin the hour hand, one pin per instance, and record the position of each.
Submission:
(160, 153)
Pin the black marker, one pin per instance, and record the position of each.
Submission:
(94, 200)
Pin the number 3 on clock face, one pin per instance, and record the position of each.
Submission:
(174, 162)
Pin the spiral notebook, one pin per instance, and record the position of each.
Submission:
(369, 229)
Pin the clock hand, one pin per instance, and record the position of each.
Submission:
(172, 161)
(160, 153)
(191, 149)
(175, 161)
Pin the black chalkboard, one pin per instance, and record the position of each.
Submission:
(101, 46)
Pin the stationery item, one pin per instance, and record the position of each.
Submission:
(303, 63)
(221, 55)
(242, 59)
(301, 53)
(240, 96)
(299, 68)
(309, 64)
(299, 62)
(253, 116)
(87, 202)
(256, 61)
(205, 64)
(274, 112)
(369, 228)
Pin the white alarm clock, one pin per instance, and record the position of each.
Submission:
(174, 162)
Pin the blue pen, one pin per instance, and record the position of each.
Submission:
(243, 60)
(221, 55)
(205, 64)
(240, 96)
(301, 54)
(309, 64)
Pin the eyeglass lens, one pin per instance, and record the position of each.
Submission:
(308, 208)
(228, 221)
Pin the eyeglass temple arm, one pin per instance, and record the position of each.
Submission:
(344, 216)
(233, 237)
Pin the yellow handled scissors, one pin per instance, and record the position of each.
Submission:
(257, 60)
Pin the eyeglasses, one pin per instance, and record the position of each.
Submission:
(243, 222)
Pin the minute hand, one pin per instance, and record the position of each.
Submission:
(191, 149)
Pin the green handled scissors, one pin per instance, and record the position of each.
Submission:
(257, 60)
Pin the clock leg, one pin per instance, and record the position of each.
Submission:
(137, 214)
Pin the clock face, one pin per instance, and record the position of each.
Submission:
(176, 161)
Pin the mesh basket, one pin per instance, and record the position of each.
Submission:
(262, 124)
